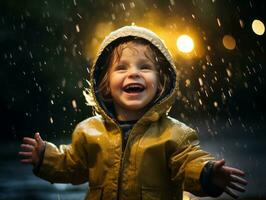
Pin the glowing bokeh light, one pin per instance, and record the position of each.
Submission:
(258, 27)
(229, 42)
(185, 44)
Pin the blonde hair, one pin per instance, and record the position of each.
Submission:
(162, 65)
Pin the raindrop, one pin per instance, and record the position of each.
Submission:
(113, 16)
(230, 122)
(64, 82)
(79, 15)
(65, 37)
(200, 82)
(27, 13)
(218, 22)
(223, 96)
(172, 2)
(260, 80)
(229, 73)
(77, 28)
(132, 5)
(123, 6)
(241, 22)
(74, 50)
(200, 102)
(31, 56)
(127, 14)
(230, 92)
(80, 84)
(250, 4)
(51, 120)
(171, 10)
(206, 93)
(74, 104)
(198, 92)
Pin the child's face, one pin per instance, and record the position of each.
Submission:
(133, 79)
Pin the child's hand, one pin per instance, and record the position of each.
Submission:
(31, 149)
(228, 178)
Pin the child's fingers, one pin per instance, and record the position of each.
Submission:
(219, 163)
(237, 172)
(230, 193)
(38, 138)
(239, 180)
(25, 154)
(30, 141)
(26, 161)
(236, 187)
(27, 147)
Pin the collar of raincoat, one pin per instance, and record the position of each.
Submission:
(162, 106)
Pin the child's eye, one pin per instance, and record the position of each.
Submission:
(146, 67)
(120, 67)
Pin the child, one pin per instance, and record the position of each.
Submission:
(132, 149)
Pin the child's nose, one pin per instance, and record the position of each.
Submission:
(134, 72)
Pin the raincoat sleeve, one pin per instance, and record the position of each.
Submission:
(66, 163)
(187, 163)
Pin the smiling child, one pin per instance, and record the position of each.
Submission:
(131, 148)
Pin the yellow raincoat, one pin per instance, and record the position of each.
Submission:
(162, 156)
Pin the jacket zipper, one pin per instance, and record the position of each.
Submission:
(120, 175)
(120, 166)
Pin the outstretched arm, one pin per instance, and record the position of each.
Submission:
(31, 149)
(228, 178)
(63, 164)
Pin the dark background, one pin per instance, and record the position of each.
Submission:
(46, 50)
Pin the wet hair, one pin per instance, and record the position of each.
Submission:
(115, 51)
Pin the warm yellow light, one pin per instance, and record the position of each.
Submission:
(97, 35)
(185, 44)
(229, 42)
(189, 196)
(258, 27)
(186, 196)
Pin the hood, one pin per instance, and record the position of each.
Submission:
(162, 106)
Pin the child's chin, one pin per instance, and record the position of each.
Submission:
(136, 107)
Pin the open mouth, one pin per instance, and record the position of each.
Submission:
(134, 88)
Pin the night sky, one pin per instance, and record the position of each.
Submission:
(47, 48)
